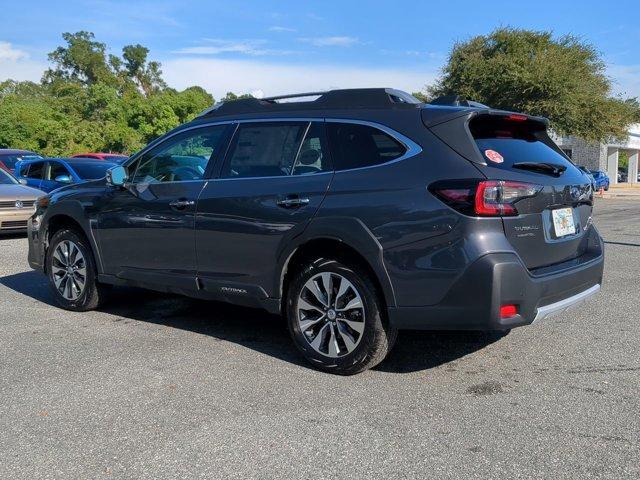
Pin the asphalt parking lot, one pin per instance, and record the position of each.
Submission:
(155, 386)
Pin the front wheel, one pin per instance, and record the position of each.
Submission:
(72, 272)
(335, 318)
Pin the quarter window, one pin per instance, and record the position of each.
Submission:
(182, 157)
(354, 145)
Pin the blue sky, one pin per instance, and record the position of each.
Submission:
(274, 47)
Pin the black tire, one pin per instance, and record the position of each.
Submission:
(94, 293)
(377, 337)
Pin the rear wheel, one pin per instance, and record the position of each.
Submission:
(335, 318)
(72, 272)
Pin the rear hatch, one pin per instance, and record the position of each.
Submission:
(550, 221)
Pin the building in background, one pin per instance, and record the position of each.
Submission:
(606, 156)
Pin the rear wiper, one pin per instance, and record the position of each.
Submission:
(548, 168)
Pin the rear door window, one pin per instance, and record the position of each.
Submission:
(355, 145)
(265, 149)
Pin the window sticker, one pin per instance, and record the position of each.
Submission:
(494, 156)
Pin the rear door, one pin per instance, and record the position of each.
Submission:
(551, 226)
(271, 184)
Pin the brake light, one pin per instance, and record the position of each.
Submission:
(489, 198)
(508, 311)
(514, 117)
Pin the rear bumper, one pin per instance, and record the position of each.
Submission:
(497, 279)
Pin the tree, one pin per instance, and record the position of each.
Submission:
(563, 79)
(93, 101)
(83, 60)
(230, 96)
(147, 76)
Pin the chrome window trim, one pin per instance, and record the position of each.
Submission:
(412, 147)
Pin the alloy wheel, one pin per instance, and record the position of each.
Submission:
(330, 314)
(69, 270)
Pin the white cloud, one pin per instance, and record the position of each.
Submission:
(15, 64)
(331, 41)
(625, 79)
(8, 52)
(214, 46)
(277, 28)
(219, 76)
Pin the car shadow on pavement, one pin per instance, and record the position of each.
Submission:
(255, 329)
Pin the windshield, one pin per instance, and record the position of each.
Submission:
(11, 160)
(93, 170)
(6, 179)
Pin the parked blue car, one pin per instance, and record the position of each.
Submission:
(50, 173)
(601, 179)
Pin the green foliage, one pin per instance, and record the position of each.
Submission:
(91, 101)
(230, 96)
(562, 79)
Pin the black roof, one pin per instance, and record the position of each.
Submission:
(372, 98)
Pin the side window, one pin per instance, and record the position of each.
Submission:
(354, 145)
(35, 170)
(55, 170)
(264, 149)
(182, 157)
(313, 156)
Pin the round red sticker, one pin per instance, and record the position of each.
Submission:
(494, 156)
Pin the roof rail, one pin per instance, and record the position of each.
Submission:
(456, 101)
(345, 98)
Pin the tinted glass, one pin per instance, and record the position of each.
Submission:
(264, 149)
(55, 170)
(313, 157)
(181, 158)
(93, 170)
(355, 146)
(11, 160)
(6, 179)
(36, 170)
(515, 142)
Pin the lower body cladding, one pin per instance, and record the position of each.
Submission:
(496, 280)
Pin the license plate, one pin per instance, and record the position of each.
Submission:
(563, 222)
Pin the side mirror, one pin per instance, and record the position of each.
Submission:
(22, 181)
(63, 179)
(117, 176)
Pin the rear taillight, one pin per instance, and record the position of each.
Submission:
(489, 198)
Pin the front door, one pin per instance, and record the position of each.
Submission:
(273, 181)
(146, 230)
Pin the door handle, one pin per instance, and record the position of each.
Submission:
(292, 202)
(181, 204)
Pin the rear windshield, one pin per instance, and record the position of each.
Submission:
(11, 160)
(93, 170)
(503, 143)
